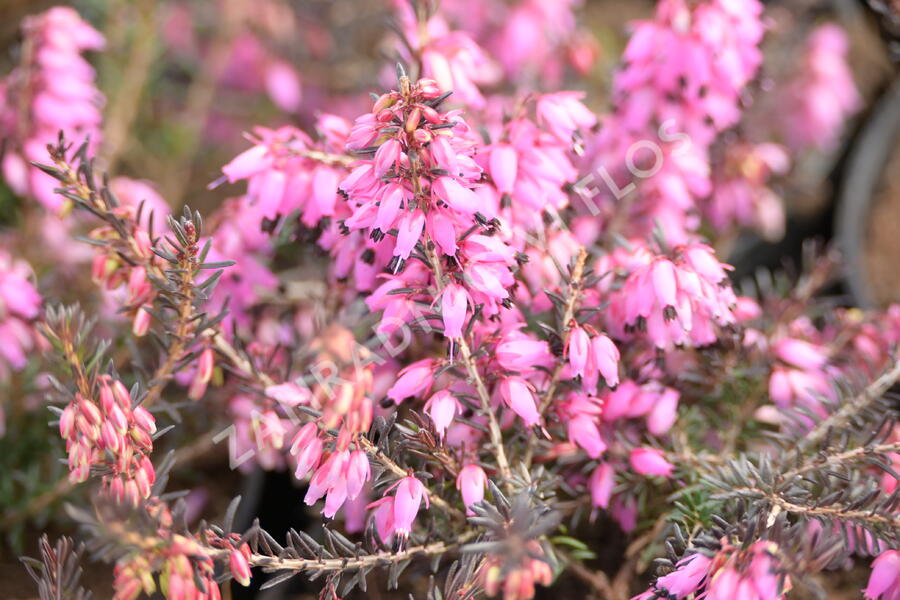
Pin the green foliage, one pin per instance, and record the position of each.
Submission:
(29, 455)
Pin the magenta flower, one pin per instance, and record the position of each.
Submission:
(288, 394)
(504, 167)
(577, 350)
(582, 430)
(454, 303)
(442, 407)
(677, 302)
(604, 358)
(522, 354)
(884, 582)
(386, 157)
(687, 577)
(330, 481)
(307, 448)
(283, 85)
(564, 114)
(454, 195)
(20, 304)
(451, 59)
(823, 94)
(650, 461)
(601, 485)
(471, 482)
(407, 499)
(664, 412)
(357, 473)
(414, 380)
(518, 394)
(801, 354)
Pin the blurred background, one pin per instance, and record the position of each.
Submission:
(185, 80)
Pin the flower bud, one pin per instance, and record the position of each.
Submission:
(90, 412)
(107, 400)
(288, 394)
(303, 437)
(118, 419)
(240, 568)
(442, 407)
(413, 119)
(423, 136)
(308, 457)
(110, 439)
(140, 325)
(67, 422)
(142, 482)
(141, 439)
(429, 88)
(601, 485)
(454, 304)
(205, 365)
(132, 494)
(518, 395)
(144, 420)
(383, 102)
(122, 395)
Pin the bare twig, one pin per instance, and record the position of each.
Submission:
(325, 565)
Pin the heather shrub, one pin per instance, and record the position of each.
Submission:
(484, 321)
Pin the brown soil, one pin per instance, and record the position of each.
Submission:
(882, 251)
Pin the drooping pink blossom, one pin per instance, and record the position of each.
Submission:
(442, 407)
(884, 582)
(407, 499)
(454, 304)
(519, 396)
(471, 482)
(413, 380)
(650, 461)
(601, 484)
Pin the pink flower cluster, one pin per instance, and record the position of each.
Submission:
(821, 94)
(676, 301)
(55, 86)
(452, 58)
(288, 177)
(802, 376)
(184, 563)
(425, 194)
(751, 574)
(20, 304)
(742, 195)
(531, 40)
(337, 465)
(680, 86)
(516, 583)
(126, 282)
(112, 436)
(806, 360)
